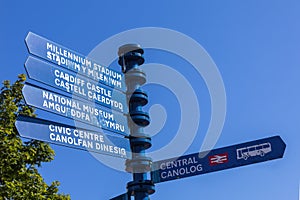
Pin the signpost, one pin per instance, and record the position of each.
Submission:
(83, 111)
(99, 100)
(70, 136)
(218, 159)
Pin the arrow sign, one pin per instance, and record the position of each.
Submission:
(76, 109)
(70, 82)
(74, 61)
(121, 197)
(218, 159)
(72, 137)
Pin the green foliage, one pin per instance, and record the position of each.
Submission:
(19, 177)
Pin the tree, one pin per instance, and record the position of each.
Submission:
(19, 177)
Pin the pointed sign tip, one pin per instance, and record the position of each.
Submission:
(27, 38)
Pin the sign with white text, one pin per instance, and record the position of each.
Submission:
(73, 108)
(122, 197)
(72, 137)
(74, 61)
(218, 159)
(78, 85)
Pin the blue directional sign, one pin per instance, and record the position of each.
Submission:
(74, 61)
(70, 82)
(76, 109)
(72, 137)
(218, 159)
(121, 197)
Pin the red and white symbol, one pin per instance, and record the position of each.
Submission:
(218, 159)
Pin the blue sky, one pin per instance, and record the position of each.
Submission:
(255, 45)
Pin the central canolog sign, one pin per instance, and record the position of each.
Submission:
(218, 159)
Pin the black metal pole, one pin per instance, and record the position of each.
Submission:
(130, 58)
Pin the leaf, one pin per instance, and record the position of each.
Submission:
(19, 177)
